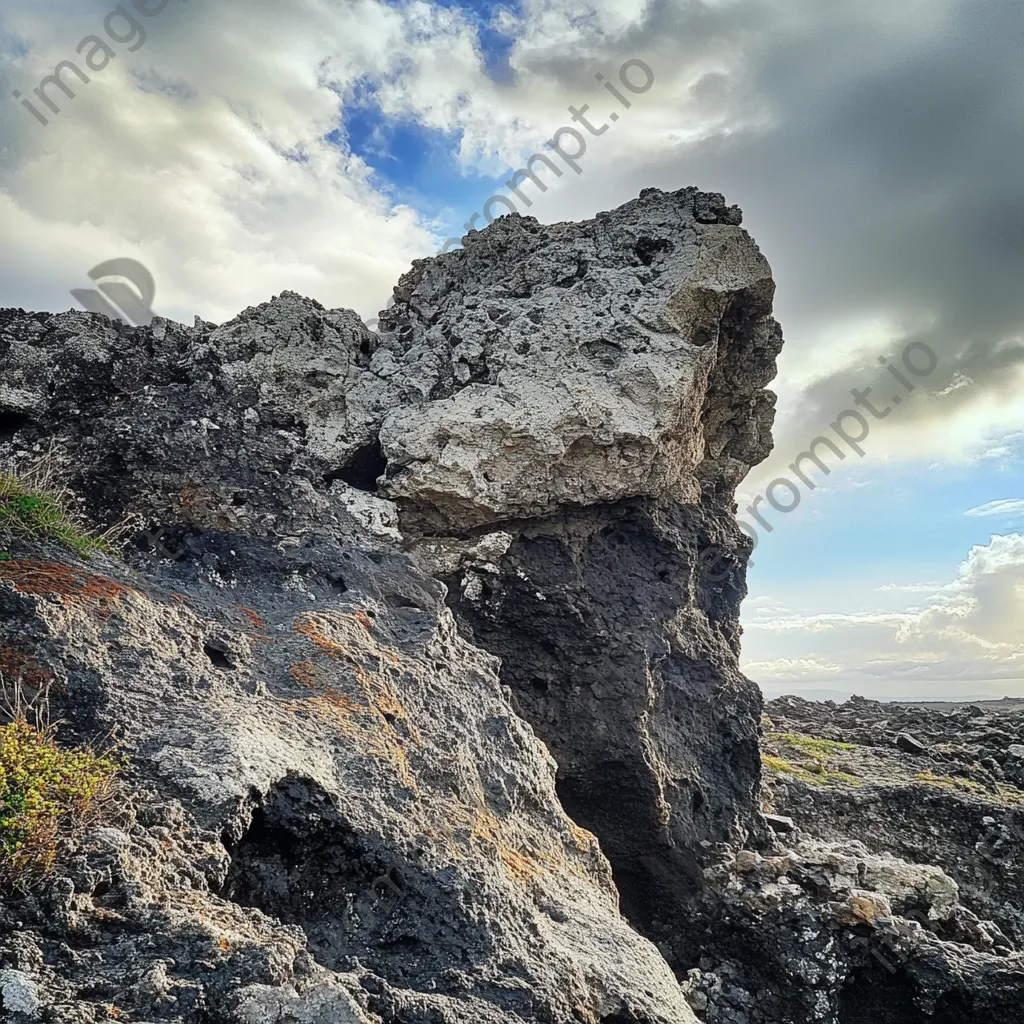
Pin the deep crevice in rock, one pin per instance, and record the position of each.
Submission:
(299, 860)
(583, 614)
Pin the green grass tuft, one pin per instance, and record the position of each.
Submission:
(30, 510)
(810, 744)
(815, 773)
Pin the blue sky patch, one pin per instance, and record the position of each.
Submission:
(413, 163)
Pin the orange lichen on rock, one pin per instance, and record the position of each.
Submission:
(304, 672)
(253, 617)
(372, 718)
(586, 842)
(526, 864)
(51, 579)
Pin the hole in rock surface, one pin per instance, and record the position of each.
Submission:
(299, 859)
(647, 249)
(363, 468)
(218, 654)
(876, 996)
(11, 422)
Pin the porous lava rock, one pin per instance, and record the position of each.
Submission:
(337, 807)
(959, 803)
(423, 645)
(598, 390)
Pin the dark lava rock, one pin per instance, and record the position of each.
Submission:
(434, 712)
(909, 745)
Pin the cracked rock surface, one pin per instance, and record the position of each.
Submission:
(332, 811)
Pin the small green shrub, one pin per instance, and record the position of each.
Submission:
(46, 792)
(31, 509)
(948, 782)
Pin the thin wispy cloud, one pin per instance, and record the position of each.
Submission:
(1000, 507)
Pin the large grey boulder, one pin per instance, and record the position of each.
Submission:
(579, 364)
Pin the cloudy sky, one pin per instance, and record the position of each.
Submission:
(877, 150)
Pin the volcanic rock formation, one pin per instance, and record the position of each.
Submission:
(429, 687)
(337, 808)
(891, 892)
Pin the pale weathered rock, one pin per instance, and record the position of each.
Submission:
(578, 364)
(18, 993)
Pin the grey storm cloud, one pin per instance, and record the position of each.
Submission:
(887, 185)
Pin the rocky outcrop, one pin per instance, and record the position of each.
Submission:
(956, 800)
(597, 393)
(332, 811)
(336, 808)
(552, 420)
(581, 364)
(829, 933)
(433, 709)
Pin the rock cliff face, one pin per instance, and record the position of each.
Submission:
(429, 689)
(338, 808)
(596, 393)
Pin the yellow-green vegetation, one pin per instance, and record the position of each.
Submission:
(1010, 794)
(816, 772)
(46, 792)
(815, 769)
(810, 745)
(32, 509)
(948, 782)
